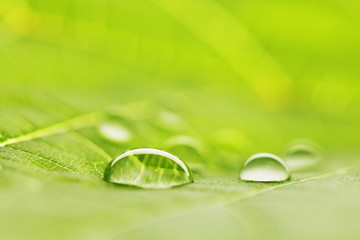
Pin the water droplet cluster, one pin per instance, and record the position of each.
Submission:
(158, 169)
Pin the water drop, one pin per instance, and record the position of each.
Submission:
(169, 121)
(264, 167)
(114, 131)
(302, 154)
(170, 118)
(148, 168)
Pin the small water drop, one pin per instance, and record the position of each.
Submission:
(264, 167)
(148, 168)
(170, 118)
(114, 131)
(302, 154)
(169, 121)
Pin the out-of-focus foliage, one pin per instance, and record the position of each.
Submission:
(236, 77)
(297, 58)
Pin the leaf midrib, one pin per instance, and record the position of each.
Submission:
(81, 121)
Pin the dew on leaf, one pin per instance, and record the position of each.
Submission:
(264, 167)
(170, 118)
(169, 121)
(302, 154)
(114, 131)
(148, 168)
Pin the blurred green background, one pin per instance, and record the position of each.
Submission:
(242, 76)
(288, 69)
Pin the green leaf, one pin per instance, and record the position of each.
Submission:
(235, 77)
(53, 175)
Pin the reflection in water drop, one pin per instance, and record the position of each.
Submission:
(114, 131)
(148, 168)
(302, 154)
(264, 167)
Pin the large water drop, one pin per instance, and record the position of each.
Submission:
(148, 168)
(264, 167)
